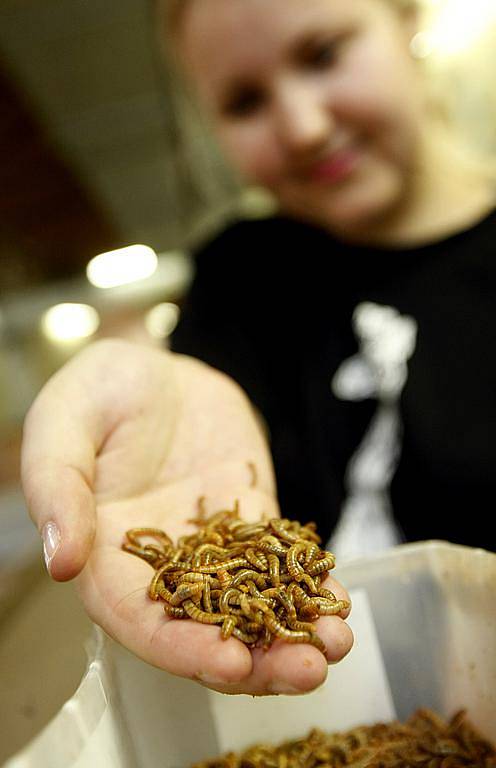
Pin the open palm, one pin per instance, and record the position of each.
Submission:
(126, 436)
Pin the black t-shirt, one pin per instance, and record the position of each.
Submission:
(274, 304)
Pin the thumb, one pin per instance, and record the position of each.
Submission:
(61, 504)
(60, 442)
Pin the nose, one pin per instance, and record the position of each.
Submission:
(304, 122)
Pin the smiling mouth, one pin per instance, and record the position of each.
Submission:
(336, 167)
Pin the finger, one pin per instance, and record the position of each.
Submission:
(113, 394)
(62, 434)
(283, 669)
(297, 669)
(61, 504)
(340, 593)
(58, 460)
(114, 589)
(294, 669)
(337, 636)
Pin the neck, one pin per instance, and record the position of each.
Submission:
(448, 193)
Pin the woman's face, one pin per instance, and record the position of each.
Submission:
(316, 100)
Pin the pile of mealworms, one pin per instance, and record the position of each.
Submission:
(425, 740)
(258, 581)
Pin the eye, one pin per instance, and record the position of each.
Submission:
(321, 54)
(244, 102)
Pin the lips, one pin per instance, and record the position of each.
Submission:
(336, 167)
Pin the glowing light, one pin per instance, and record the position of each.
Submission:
(422, 45)
(459, 24)
(69, 322)
(122, 266)
(161, 320)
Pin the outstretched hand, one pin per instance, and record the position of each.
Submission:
(125, 436)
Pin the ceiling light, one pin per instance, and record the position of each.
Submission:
(459, 24)
(122, 266)
(161, 320)
(69, 322)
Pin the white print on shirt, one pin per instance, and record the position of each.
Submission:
(386, 342)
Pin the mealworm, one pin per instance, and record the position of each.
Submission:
(163, 592)
(198, 578)
(330, 609)
(207, 548)
(327, 594)
(246, 606)
(156, 551)
(155, 533)
(246, 574)
(319, 566)
(140, 552)
(289, 635)
(425, 740)
(154, 584)
(158, 576)
(253, 470)
(244, 636)
(201, 516)
(274, 570)
(317, 642)
(228, 627)
(260, 581)
(270, 544)
(287, 604)
(207, 595)
(175, 612)
(257, 560)
(202, 616)
(185, 592)
(249, 531)
(281, 528)
(302, 626)
(226, 565)
(293, 565)
(308, 580)
(253, 589)
(231, 593)
(311, 553)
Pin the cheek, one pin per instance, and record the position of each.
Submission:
(384, 106)
(252, 151)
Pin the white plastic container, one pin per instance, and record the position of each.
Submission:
(425, 624)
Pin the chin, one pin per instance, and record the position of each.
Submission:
(357, 208)
(354, 207)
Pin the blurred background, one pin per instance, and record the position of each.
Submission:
(99, 212)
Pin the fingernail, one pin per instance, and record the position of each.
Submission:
(288, 690)
(204, 677)
(51, 542)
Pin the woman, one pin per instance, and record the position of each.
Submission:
(326, 108)
(321, 103)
